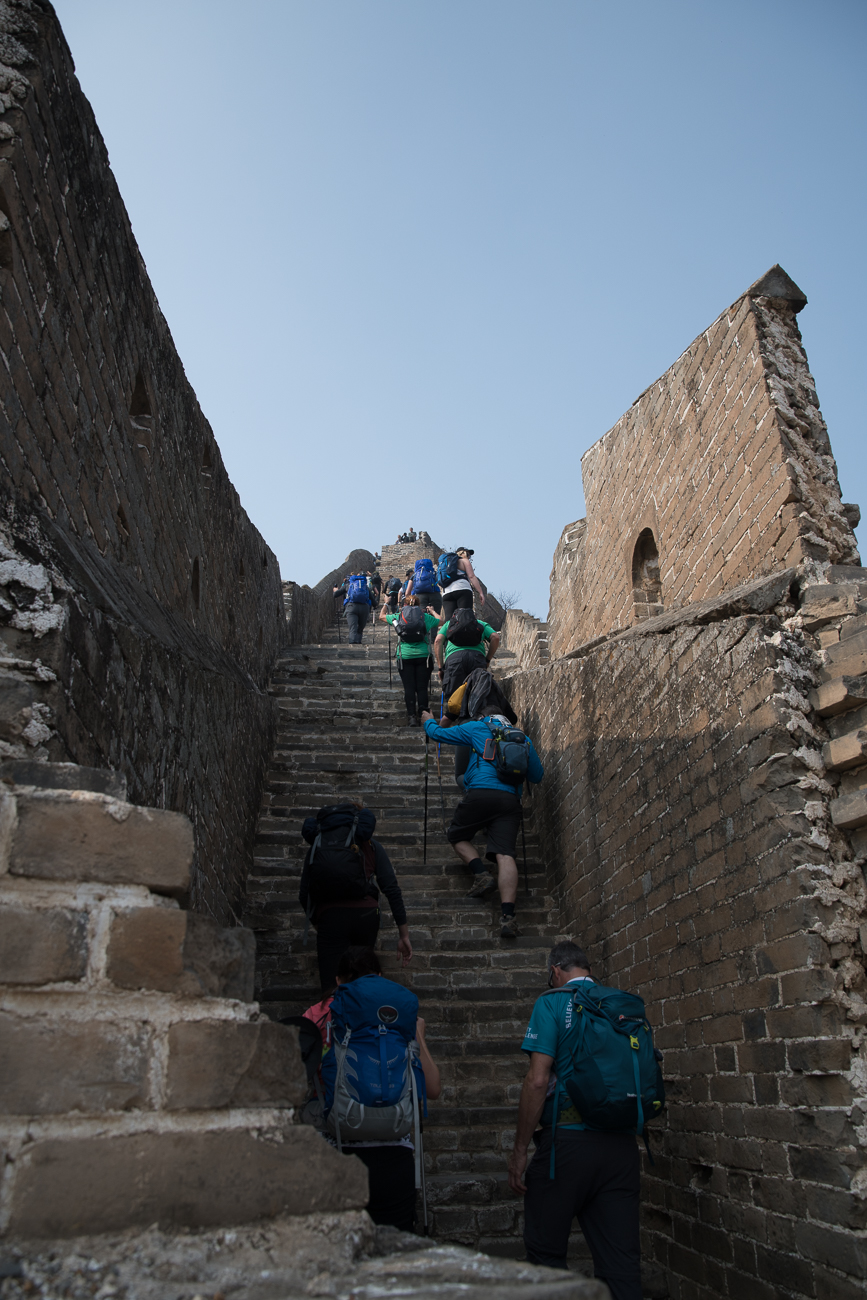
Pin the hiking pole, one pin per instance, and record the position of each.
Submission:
(424, 856)
(390, 687)
(524, 847)
(337, 620)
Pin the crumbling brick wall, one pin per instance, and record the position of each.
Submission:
(725, 459)
(173, 602)
(685, 815)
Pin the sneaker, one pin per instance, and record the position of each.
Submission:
(411, 720)
(509, 929)
(482, 884)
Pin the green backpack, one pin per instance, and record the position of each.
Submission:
(616, 1082)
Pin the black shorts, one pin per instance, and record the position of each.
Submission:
(494, 811)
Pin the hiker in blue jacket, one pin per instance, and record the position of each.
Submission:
(593, 1174)
(491, 804)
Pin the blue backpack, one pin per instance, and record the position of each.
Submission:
(615, 1084)
(448, 568)
(359, 591)
(424, 576)
(373, 1080)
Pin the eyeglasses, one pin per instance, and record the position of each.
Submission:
(551, 970)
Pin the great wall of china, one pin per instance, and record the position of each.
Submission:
(171, 709)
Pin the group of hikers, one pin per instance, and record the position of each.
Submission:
(593, 1078)
(411, 536)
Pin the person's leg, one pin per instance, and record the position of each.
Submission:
(363, 616)
(549, 1206)
(507, 878)
(332, 940)
(465, 824)
(504, 822)
(609, 1213)
(352, 623)
(450, 604)
(464, 600)
(422, 683)
(407, 677)
(363, 927)
(391, 1184)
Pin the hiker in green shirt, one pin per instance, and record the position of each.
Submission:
(415, 628)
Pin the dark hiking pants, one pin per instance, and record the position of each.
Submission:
(596, 1180)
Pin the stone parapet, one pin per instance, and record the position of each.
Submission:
(526, 637)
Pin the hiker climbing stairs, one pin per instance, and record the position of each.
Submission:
(342, 735)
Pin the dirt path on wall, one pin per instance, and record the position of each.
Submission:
(342, 735)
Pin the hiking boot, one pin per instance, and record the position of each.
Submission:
(482, 884)
(509, 928)
(411, 720)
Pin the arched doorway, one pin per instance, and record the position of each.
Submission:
(646, 583)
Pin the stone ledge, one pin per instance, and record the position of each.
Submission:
(63, 1186)
(77, 835)
(755, 597)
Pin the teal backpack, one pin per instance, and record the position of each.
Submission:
(616, 1082)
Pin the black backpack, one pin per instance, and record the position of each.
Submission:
(411, 625)
(393, 586)
(338, 867)
(465, 629)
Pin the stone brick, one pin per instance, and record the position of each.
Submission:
(71, 1186)
(62, 836)
(180, 952)
(220, 1063)
(50, 1067)
(42, 945)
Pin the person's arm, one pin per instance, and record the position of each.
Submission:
(304, 884)
(462, 735)
(530, 1108)
(383, 617)
(432, 1082)
(493, 647)
(439, 650)
(473, 580)
(387, 881)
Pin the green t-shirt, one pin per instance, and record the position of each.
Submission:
(553, 1029)
(481, 648)
(414, 649)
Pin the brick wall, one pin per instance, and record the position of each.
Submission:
(685, 814)
(526, 637)
(173, 606)
(726, 459)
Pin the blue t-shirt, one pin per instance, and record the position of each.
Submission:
(553, 1030)
(481, 773)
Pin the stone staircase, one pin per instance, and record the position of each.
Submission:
(342, 734)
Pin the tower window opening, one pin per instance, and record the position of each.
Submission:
(646, 582)
(141, 415)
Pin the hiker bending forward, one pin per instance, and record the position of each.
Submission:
(344, 871)
(491, 804)
(590, 1174)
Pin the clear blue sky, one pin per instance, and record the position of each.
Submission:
(418, 255)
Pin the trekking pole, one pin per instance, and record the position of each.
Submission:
(424, 856)
(524, 847)
(442, 796)
(390, 687)
(338, 624)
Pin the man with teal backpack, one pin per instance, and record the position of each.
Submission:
(593, 1083)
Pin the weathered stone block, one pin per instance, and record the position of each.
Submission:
(68, 1186)
(180, 952)
(50, 1067)
(64, 776)
(226, 1063)
(850, 810)
(846, 751)
(79, 836)
(839, 695)
(42, 945)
